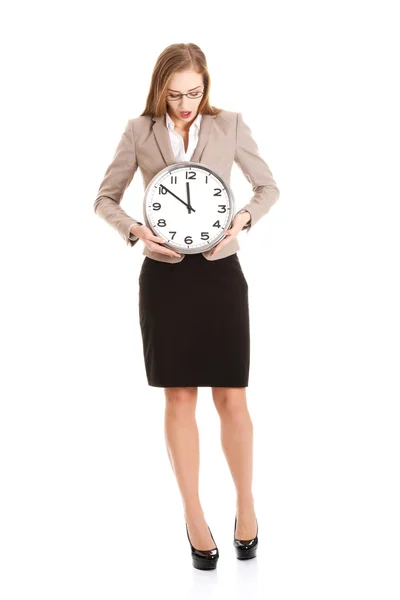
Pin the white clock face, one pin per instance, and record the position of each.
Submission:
(189, 206)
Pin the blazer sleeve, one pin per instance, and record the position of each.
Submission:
(256, 171)
(116, 179)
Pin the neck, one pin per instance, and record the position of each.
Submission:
(182, 125)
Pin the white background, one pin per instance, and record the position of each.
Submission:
(89, 504)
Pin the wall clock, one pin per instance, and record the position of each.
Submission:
(190, 206)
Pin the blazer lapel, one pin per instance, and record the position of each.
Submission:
(161, 134)
(206, 126)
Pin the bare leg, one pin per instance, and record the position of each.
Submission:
(237, 444)
(182, 440)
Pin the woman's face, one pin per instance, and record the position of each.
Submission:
(184, 82)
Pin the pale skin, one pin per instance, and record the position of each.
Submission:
(181, 432)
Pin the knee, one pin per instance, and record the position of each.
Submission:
(180, 400)
(230, 403)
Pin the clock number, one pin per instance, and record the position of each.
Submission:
(205, 235)
(218, 191)
(206, 178)
(162, 190)
(161, 223)
(222, 206)
(217, 224)
(156, 205)
(188, 240)
(190, 174)
(174, 179)
(173, 232)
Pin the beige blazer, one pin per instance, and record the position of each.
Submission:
(145, 143)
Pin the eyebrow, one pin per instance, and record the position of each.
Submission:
(170, 90)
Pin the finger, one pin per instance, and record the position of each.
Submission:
(167, 252)
(220, 246)
(162, 250)
(156, 238)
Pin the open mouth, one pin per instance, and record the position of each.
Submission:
(186, 114)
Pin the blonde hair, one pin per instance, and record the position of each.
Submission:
(174, 58)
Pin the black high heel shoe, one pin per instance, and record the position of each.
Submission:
(245, 548)
(204, 559)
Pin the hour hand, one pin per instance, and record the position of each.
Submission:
(190, 209)
(180, 200)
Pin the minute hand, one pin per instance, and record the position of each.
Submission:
(180, 200)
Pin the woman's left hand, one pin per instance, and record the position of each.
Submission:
(237, 225)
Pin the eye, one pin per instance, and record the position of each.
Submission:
(194, 94)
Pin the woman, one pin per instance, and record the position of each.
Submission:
(186, 344)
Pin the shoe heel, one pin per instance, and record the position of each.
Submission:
(245, 549)
(203, 559)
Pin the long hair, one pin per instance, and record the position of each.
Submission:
(177, 57)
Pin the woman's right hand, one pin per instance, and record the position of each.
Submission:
(153, 242)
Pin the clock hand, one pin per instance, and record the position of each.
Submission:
(175, 196)
(188, 198)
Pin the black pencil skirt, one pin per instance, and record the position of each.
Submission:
(194, 319)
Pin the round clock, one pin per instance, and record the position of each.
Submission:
(190, 206)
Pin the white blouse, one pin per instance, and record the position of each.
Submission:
(177, 143)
